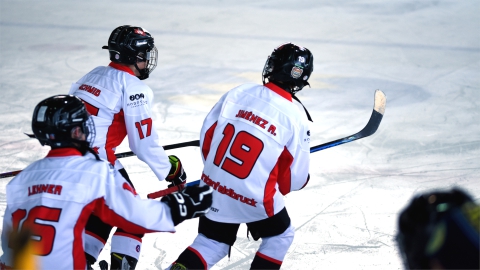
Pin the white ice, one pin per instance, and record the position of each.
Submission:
(425, 55)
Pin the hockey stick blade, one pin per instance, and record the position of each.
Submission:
(120, 155)
(371, 127)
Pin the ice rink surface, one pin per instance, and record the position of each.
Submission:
(425, 55)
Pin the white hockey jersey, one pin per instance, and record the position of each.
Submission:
(255, 148)
(120, 106)
(55, 196)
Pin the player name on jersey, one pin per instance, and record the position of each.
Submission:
(45, 188)
(257, 120)
(90, 89)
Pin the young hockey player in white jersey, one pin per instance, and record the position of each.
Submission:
(255, 148)
(120, 104)
(53, 197)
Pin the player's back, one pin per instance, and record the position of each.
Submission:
(54, 197)
(256, 139)
(107, 93)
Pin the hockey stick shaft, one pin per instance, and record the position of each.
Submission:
(380, 101)
(120, 155)
(9, 174)
(171, 190)
(131, 154)
(166, 147)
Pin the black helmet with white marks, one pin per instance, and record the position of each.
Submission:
(289, 64)
(54, 119)
(129, 45)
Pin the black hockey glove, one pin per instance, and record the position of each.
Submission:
(177, 175)
(191, 202)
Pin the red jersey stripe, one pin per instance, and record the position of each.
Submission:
(208, 141)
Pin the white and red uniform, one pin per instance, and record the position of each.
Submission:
(120, 104)
(255, 147)
(54, 198)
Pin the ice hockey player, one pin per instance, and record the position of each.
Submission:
(255, 147)
(440, 230)
(54, 196)
(120, 104)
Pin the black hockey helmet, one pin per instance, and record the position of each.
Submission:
(129, 44)
(289, 63)
(440, 227)
(54, 118)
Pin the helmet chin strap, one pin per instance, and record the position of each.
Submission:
(308, 115)
(143, 73)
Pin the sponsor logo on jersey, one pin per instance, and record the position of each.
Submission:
(137, 100)
(137, 103)
(228, 191)
(257, 120)
(137, 97)
(307, 139)
(90, 89)
(45, 188)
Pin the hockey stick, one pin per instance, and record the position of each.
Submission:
(166, 147)
(373, 123)
(119, 155)
(9, 174)
(377, 114)
(171, 190)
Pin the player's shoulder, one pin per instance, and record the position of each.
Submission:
(96, 71)
(91, 158)
(89, 164)
(243, 90)
(136, 89)
(246, 87)
(86, 167)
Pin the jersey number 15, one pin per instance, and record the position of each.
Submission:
(43, 235)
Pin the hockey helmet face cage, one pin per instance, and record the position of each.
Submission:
(55, 117)
(427, 226)
(89, 127)
(289, 63)
(131, 44)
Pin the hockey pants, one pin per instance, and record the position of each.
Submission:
(205, 252)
